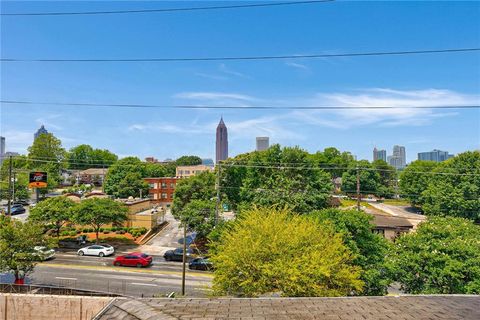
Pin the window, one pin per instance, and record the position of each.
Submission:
(172, 185)
(187, 171)
(164, 185)
(155, 196)
(151, 195)
(164, 195)
(180, 172)
(171, 195)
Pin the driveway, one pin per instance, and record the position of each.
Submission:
(166, 239)
(401, 212)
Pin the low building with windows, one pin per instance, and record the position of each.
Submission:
(188, 171)
(161, 190)
(94, 176)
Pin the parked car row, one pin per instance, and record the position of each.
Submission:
(15, 208)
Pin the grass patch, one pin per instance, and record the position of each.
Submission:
(396, 202)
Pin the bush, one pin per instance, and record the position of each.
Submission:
(72, 233)
(85, 230)
(113, 229)
(78, 231)
(65, 233)
(101, 229)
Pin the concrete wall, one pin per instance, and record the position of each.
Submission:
(49, 307)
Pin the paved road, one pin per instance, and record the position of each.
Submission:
(167, 239)
(134, 282)
(400, 211)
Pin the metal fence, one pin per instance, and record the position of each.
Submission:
(52, 290)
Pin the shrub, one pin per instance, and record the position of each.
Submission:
(78, 231)
(85, 230)
(113, 229)
(72, 233)
(65, 233)
(101, 229)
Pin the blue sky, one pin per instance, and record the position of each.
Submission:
(423, 80)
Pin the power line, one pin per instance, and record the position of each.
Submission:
(146, 106)
(244, 58)
(241, 6)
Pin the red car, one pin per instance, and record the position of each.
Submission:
(134, 259)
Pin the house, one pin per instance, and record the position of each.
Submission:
(161, 190)
(188, 171)
(94, 176)
(390, 227)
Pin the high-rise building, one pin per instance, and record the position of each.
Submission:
(379, 154)
(2, 146)
(263, 143)
(39, 132)
(435, 155)
(221, 142)
(398, 159)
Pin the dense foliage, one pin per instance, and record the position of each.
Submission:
(98, 212)
(124, 178)
(415, 178)
(188, 161)
(199, 215)
(368, 249)
(84, 156)
(276, 177)
(442, 256)
(454, 189)
(17, 243)
(53, 212)
(198, 187)
(376, 178)
(274, 251)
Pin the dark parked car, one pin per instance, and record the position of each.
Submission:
(177, 254)
(200, 264)
(17, 209)
(133, 259)
(22, 202)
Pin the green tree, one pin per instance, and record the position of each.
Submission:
(125, 171)
(274, 251)
(98, 212)
(47, 154)
(454, 188)
(368, 249)
(277, 176)
(198, 187)
(337, 162)
(53, 212)
(17, 243)
(188, 161)
(199, 215)
(388, 178)
(84, 156)
(441, 257)
(370, 180)
(415, 179)
(20, 168)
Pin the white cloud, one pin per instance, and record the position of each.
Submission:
(17, 141)
(48, 123)
(223, 68)
(217, 98)
(297, 65)
(210, 76)
(262, 126)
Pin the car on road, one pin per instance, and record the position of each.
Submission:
(133, 259)
(177, 254)
(200, 264)
(100, 250)
(44, 253)
(17, 209)
(22, 202)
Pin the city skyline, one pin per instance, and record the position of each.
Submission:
(414, 80)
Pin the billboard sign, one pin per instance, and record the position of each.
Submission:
(38, 179)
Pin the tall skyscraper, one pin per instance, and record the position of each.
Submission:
(263, 143)
(379, 154)
(39, 132)
(2, 146)
(221, 142)
(435, 155)
(398, 159)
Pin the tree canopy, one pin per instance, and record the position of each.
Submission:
(84, 156)
(454, 188)
(188, 161)
(274, 251)
(277, 176)
(368, 249)
(98, 212)
(371, 181)
(441, 257)
(54, 212)
(17, 242)
(199, 215)
(415, 178)
(198, 187)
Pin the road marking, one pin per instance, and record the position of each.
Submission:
(144, 284)
(62, 278)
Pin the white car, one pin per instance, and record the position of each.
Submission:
(96, 250)
(44, 253)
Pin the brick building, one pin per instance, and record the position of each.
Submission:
(161, 190)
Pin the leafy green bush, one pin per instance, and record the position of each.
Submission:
(101, 229)
(78, 231)
(72, 233)
(65, 233)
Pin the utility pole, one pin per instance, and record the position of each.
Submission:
(358, 189)
(9, 186)
(13, 187)
(184, 256)
(218, 193)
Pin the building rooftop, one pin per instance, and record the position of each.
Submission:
(463, 307)
(94, 171)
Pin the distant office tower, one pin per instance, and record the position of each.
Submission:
(2, 146)
(262, 143)
(379, 154)
(221, 142)
(39, 132)
(398, 159)
(435, 155)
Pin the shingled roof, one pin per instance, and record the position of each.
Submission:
(463, 307)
